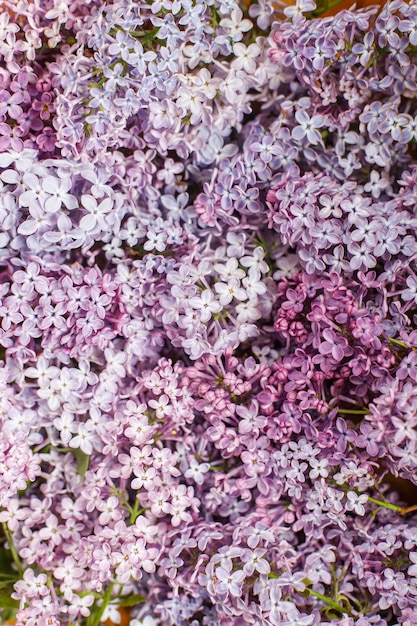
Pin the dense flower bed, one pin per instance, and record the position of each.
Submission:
(208, 313)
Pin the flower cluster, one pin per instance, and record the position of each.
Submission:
(208, 309)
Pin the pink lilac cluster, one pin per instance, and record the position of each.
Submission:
(208, 312)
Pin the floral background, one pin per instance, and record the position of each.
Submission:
(208, 307)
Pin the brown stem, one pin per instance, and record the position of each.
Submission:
(408, 509)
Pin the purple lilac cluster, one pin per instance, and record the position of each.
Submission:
(208, 313)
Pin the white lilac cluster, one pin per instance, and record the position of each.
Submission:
(160, 76)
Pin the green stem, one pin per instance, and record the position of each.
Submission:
(334, 605)
(12, 549)
(402, 510)
(386, 505)
(134, 513)
(214, 468)
(398, 343)
(106, 600)
(355, 411)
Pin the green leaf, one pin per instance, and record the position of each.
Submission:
(8, 576)
(6, 602)
(82, 460)
(4, 584)
(8, 615)
(6, 561)
(132, 600)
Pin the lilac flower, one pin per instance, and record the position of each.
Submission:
(83, 439)
(234, 25)
(366, 49)
(196, 471)
(96, 213)
(9, 104)
(411, 292)
(307, 127)
(229, 582)
(263, 12)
